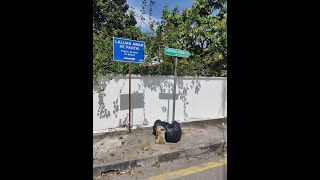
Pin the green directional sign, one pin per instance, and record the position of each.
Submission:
(176, 52)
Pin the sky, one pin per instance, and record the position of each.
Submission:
(157, 9)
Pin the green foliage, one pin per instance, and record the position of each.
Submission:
(111, 18)
(199, 32)
(194, 29)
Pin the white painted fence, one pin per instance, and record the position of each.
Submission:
(199, 98)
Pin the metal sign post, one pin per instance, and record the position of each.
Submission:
(125, 50)
(129, 97)
(174, 89)
(177, 53)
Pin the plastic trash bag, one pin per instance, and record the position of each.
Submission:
(173, 131)
(158, 123)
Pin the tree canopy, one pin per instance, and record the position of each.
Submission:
(195, 29)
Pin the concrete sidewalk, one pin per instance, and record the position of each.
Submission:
(123, 150)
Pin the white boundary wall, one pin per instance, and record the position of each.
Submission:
(199, 98)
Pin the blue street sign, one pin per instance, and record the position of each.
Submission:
(125, 50)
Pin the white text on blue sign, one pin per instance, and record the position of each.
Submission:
(128, 50)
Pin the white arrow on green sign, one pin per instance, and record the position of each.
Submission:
(176, 52)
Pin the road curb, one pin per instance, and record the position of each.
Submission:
(217, 148)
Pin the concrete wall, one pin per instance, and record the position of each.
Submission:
(198, 98)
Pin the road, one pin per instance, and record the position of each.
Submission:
(201, 167)
(217, 173)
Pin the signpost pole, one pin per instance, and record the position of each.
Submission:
(130, 51)
(174, 90)
(129, 97)
(177, 53)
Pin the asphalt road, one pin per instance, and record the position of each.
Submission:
(217, 173)
(202, 167)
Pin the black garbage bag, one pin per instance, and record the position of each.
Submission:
(173, 131)
(159, 123)
(156, 123)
